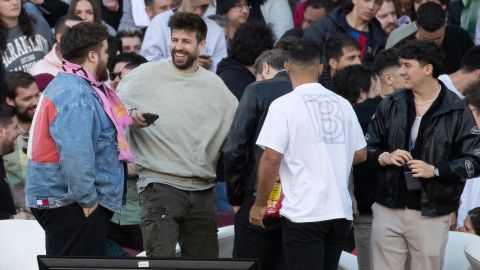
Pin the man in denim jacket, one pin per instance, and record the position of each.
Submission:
(75, 178)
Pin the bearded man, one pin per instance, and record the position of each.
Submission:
(176, 157)
(77, 149)
(21, 92)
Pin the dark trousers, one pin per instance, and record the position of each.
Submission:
(171, 215)
(253, 242)
(314, 245)
(129, 236)
(69, 233)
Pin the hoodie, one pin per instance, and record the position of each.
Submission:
(235, 75)
(49, 64)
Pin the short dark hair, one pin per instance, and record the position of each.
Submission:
(189, 22)
(431, 16)
(7, 113)
(97, 15)
(386, 59)
(16, 79)
(81, 39)
(475, 219)
(285, 42)
(126, 57)
(425, 52)
(471, 59)
(304, 52)
(333, 48)
(60, 25)
(472, 95)
(328, 5)
(250, 40)
(351, 81)
(130, 32)
(274, 58)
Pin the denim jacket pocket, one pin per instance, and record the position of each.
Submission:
(106, 150)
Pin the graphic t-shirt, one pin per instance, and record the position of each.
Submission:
(318, 133)
(21, 52)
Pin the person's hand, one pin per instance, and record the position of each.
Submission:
(256, 215)
(131, 170)
(398, 158)
(22, 215)
(87, 211)
(236, 208)
(111, 5)
(205, 63)
(421, 169)
(138, 120)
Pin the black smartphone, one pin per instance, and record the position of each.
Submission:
(150, 117)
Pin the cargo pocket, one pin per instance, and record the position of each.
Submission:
(153, 220)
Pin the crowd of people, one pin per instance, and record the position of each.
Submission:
(320, 125)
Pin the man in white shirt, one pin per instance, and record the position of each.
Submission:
(311, 138)
(467, 75)
(157, 40)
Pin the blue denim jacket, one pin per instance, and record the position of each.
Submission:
(73, 153)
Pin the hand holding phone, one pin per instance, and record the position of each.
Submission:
(150, 117)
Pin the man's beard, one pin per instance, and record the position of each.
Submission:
(24, 117)
(101, 72)
(9, 148)
(188, 64)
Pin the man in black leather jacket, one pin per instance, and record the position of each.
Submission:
(241, 159)
(424, 141)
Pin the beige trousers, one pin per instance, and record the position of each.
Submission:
(397, 233)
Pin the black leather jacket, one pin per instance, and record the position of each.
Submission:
(241, 154)
(448, 138)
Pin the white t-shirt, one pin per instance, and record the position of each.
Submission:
(318, 133)
(470, 199)
(158, 39)
(449, 84)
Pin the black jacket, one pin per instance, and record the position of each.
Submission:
(7, 207)
(365, 175)
(335, 21)
(241, 154)
(235, 75)
(447, 138)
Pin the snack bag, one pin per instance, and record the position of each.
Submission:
(274, 202)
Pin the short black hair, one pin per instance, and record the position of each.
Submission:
(79, 40)
(472, 95)
(125, 57)
(285, 42)
(250, 40)
(351, 81)
(275, 58)
(189, 22)
(303, 52)
(333, 48)
(7, 113)
(431, 16)
(328, 5)
(475, 219)
(386, 59)
(16, 79)
(60, 24)
(471, 59)
(425, 52)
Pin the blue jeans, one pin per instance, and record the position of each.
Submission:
(221, 197)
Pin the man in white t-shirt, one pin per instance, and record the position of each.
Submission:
(311, 138)
(467, 75)
(157, 40)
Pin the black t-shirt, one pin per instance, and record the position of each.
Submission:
(455, 44)
(7, 207)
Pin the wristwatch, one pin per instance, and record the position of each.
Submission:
(436, 172)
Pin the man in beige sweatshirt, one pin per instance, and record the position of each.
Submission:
(176, 156)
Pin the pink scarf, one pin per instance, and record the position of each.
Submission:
(111, 104)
